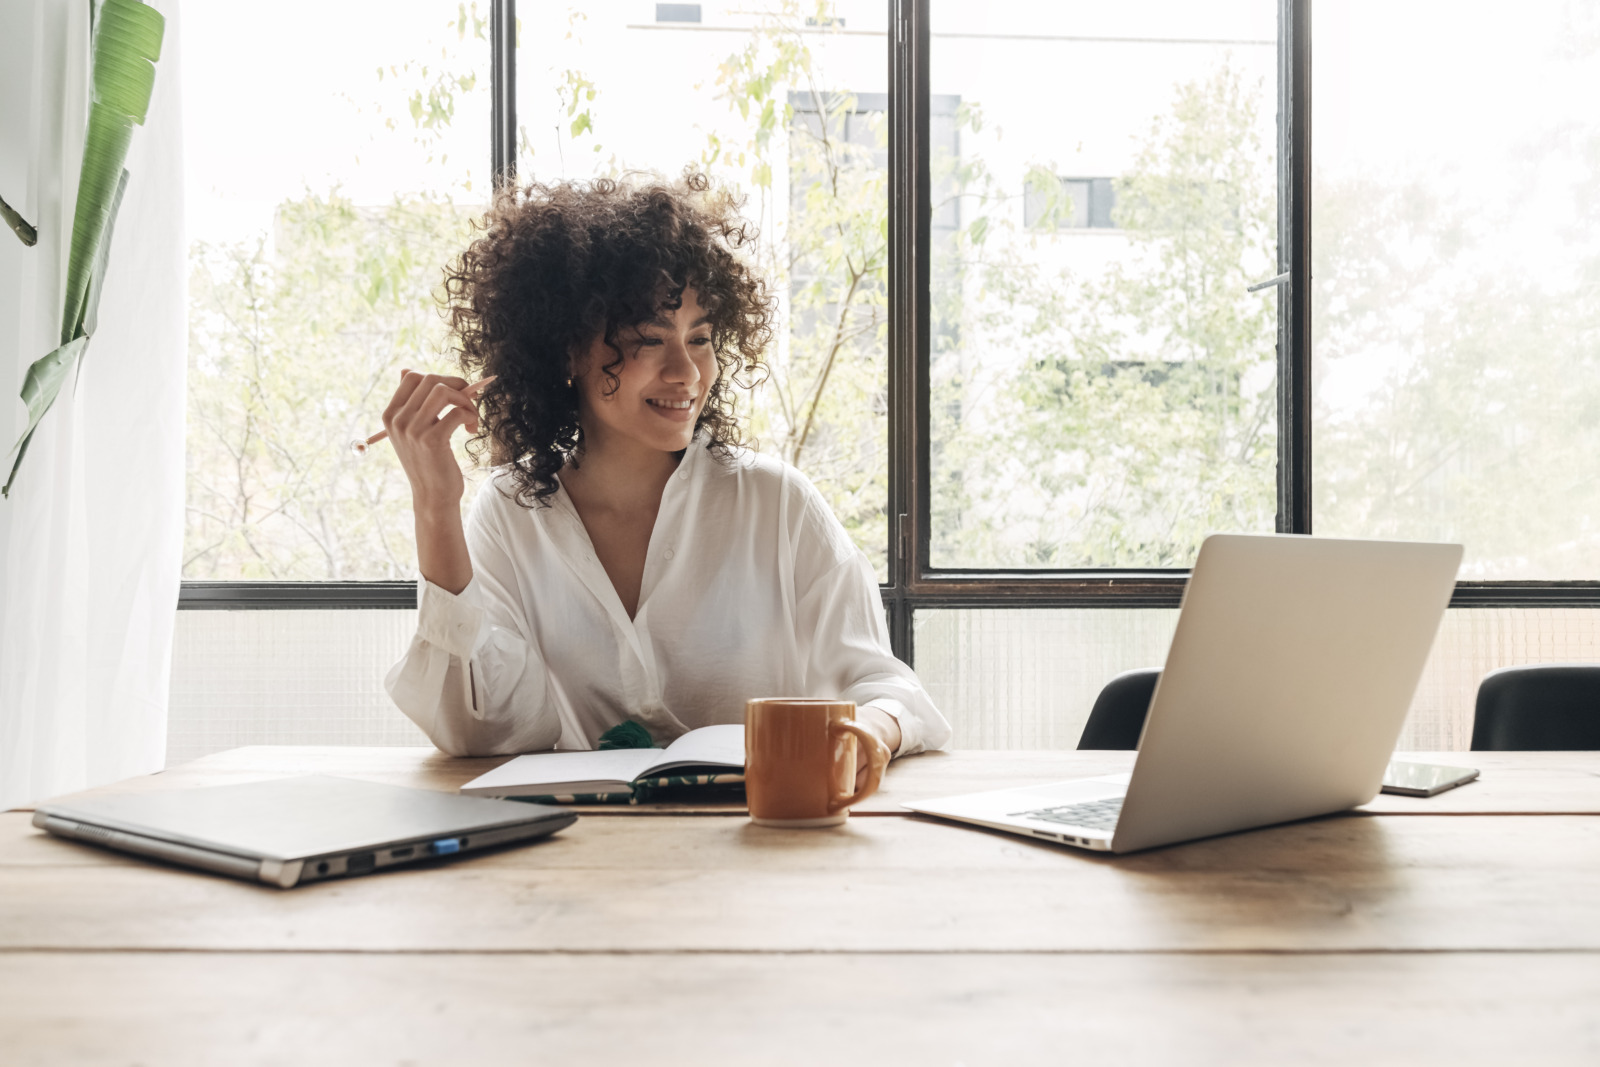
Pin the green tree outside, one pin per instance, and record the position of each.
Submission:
(1111, 420)
(1115, 421)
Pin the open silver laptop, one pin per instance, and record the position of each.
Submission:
(289, 831)
(1284, 691)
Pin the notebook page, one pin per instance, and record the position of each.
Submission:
(540, 772)
(716, 746)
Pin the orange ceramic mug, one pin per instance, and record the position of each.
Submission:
(800, 761)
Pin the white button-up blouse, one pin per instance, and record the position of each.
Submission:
(751, 588)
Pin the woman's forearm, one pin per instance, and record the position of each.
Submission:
(422, 415)
(442, 548)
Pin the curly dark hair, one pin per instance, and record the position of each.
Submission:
(559, 265)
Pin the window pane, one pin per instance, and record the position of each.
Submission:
(1457, 252)
(1104, 176)
(787, 104)
(329, 178)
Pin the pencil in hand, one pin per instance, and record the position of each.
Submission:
(360, 447)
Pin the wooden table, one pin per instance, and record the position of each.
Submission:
(1465, 928)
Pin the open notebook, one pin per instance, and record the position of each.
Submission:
(711, 751)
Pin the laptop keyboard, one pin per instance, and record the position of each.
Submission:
(1095, 814)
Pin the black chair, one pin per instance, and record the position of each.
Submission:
(1547, 706)
(1118, 714)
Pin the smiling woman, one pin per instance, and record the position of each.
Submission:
(639, 409)
(628, 559)
(567, 284)
(667, 370)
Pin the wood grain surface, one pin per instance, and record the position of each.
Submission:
(1462, 929)
(1350, 883)
(189, 1010)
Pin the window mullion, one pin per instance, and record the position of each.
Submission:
(908, 308)
(1294, 258)
(503, 90)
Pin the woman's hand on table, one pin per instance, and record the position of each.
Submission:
(884, 727)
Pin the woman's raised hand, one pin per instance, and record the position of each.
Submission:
(423, 414)
(421, 417)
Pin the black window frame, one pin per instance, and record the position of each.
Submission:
(914, 584)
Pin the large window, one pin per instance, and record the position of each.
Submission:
(1103, 385)
(786, 104)
(1457, 253)
(1047, 290)
(326, 187)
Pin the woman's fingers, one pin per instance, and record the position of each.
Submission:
(445, 426)
(421, 417)
(409, 382)
(423, 398)
(451, 414)
(413, 387)
(427, 388)
(439, 399)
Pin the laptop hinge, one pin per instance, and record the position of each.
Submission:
(281, 873)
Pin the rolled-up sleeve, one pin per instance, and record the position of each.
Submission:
(472, 678)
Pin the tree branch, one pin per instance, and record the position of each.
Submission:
(827, 368)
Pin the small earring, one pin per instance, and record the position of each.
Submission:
(569, 383)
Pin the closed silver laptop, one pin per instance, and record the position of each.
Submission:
(289, 831)
(1287, 683)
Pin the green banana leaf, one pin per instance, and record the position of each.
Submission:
(39, 389)
(97, 273)
(127, 44)
(44, 379)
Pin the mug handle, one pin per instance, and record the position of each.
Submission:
(877, 759)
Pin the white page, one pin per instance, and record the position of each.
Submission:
(721, 746)
(618, 766)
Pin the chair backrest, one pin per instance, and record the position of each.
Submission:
(1119, 711)
(1544, 706)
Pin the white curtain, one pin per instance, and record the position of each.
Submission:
(91, 537)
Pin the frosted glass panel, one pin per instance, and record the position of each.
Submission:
(1473, 642)
(1026, 678)
(285, 678)
(1017, 678)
